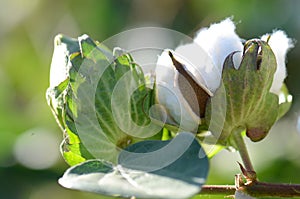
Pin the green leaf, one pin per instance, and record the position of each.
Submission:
(182, 152)
(58, 98)
(178, 169)
(244, 99)
(102, 104)
(74, 152)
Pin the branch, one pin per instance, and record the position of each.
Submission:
(255, 189)
(263, 189)
(252, 186)
(218, 190)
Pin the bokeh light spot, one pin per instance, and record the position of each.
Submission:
(37, 149)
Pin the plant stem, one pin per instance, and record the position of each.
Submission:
(252, 186)
(241, 146)
(255, 189)
(263, 189)
(218, 189)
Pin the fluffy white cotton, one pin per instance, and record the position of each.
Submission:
(219, 40)
(169, 95)
(280, 44)
(199, 65)
(203, 60)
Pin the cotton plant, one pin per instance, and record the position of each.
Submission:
(235, 87)
(216, 53)
(215, 90)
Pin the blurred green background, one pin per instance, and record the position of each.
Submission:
(30, 163)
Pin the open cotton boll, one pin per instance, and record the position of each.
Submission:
(280, 44)
(203, 60)
(169, 95)
(219, 40)
(200, 66)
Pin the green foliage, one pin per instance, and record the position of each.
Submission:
(103, 105)
(88, 90)
(147, 169)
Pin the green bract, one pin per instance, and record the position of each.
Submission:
(100, 101)
(244, 100)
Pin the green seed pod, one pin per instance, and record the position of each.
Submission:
(244, 97)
